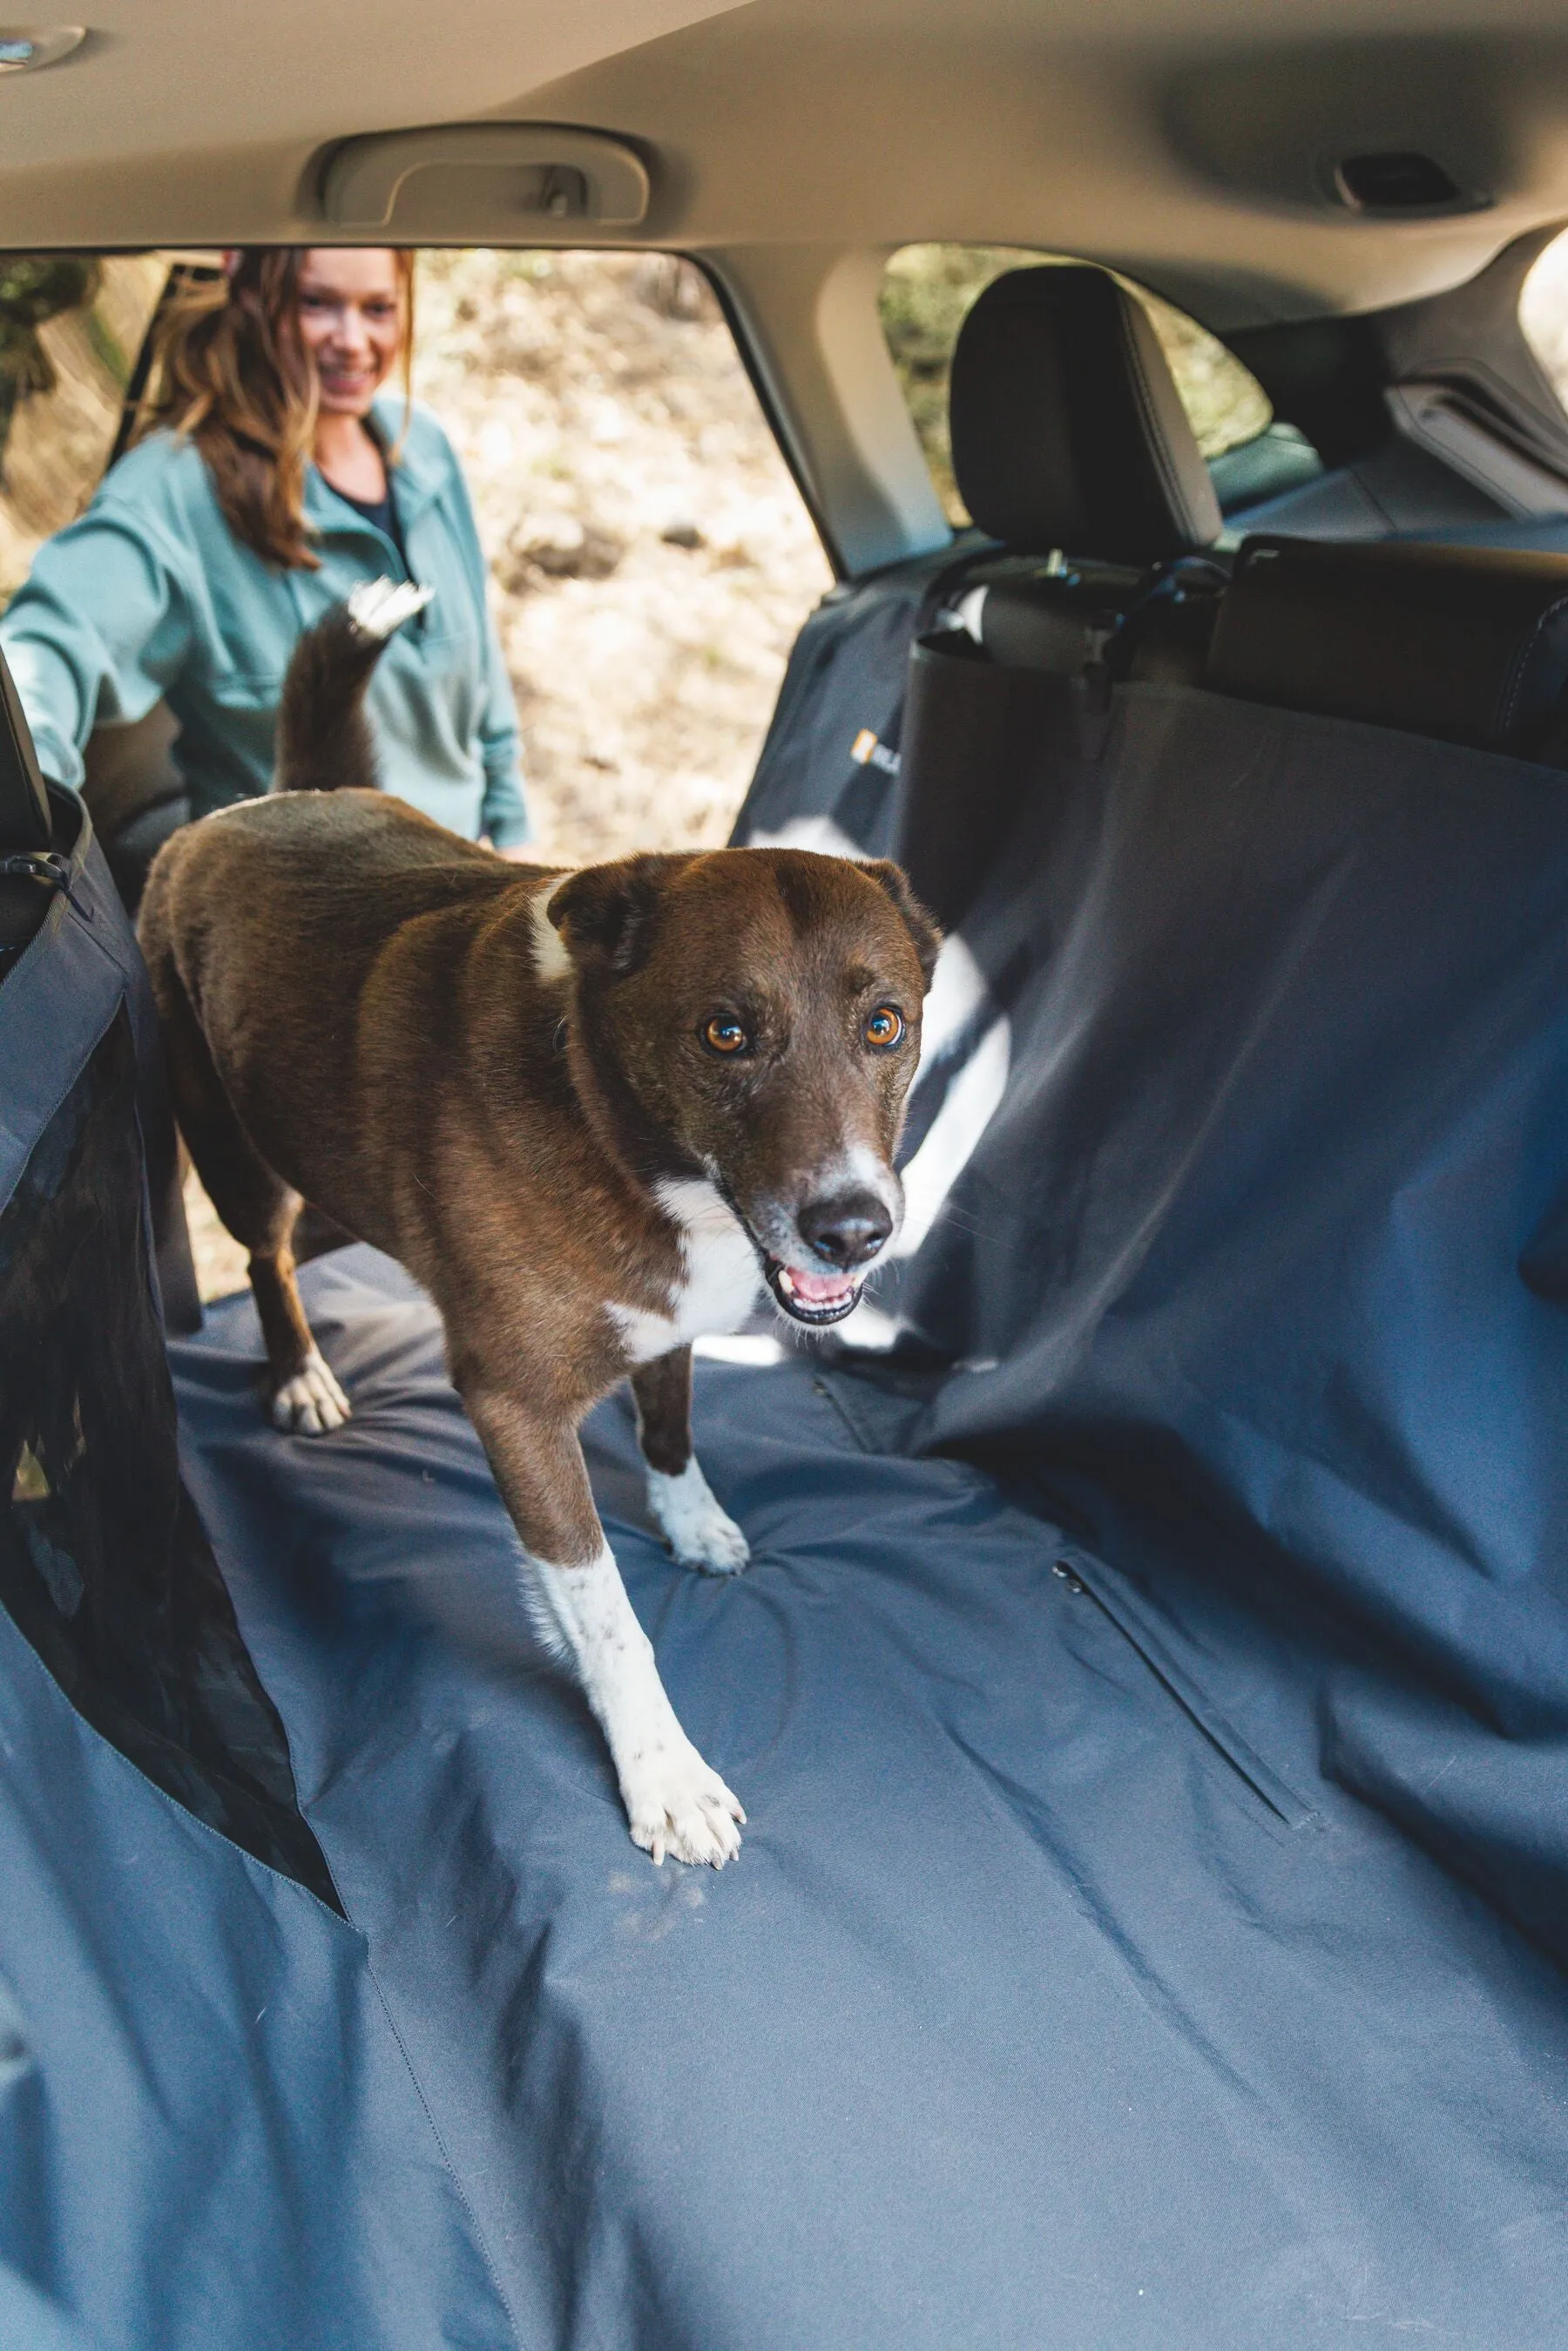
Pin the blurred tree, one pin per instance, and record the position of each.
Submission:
(34, 289)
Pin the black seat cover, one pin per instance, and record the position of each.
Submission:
(1467, 644)
(25, 821)
(1150, 1690)
(28, 828)
(1068, 428)
(1068, 432)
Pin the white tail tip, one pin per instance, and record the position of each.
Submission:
(378, 608)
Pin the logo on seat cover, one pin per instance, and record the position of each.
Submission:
(867, 752)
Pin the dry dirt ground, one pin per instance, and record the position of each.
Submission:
(652, 557)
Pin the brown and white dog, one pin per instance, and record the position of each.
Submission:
(591, 1111)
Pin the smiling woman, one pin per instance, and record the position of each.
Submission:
(277, 465)
(275, 366)
(356, 323)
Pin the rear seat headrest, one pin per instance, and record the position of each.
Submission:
(1466, 644)
(1068, 429)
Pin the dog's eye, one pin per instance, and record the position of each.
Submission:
(883, 1030)
(725, 1034)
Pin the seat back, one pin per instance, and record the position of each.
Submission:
(1464, 645)
(1238, 1166)
(1067, 433)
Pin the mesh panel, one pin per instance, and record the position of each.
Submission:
(103, 1563)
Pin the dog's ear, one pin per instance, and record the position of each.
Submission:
(605, 913)
(922, 930)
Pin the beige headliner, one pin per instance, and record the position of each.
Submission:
(1192, 141)
(1187, 139)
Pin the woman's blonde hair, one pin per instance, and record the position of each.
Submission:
(230, 371)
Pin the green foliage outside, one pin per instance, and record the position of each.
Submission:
(34, 289)
(926, 291)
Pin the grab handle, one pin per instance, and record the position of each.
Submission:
(558, 174)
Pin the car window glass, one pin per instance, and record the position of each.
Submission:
(651, 559)
(1543, 312)
(927, 292)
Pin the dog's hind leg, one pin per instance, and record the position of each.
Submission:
(698, 1530)
(257, 1207)
(674, 1802)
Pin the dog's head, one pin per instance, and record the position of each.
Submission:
(753, 1015)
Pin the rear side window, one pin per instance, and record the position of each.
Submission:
(1543, 313)
(71, 325)
(927, 292)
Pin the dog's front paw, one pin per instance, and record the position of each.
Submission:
(676, 1805)
(700, 1532)
(312, 1402)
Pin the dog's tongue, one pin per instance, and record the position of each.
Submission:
(820, 1289)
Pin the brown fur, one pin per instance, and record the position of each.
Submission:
(356, 1014)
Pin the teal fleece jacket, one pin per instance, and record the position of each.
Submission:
(150, 594)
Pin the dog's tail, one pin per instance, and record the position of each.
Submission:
(324, 738)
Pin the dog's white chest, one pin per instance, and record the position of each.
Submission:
(722, 1279)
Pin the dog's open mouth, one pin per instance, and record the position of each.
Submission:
(814, 1298)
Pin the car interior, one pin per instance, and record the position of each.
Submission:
(1149, 1692)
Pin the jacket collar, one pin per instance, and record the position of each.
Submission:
(420, 473)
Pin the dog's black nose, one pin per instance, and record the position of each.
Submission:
(846, 1229)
